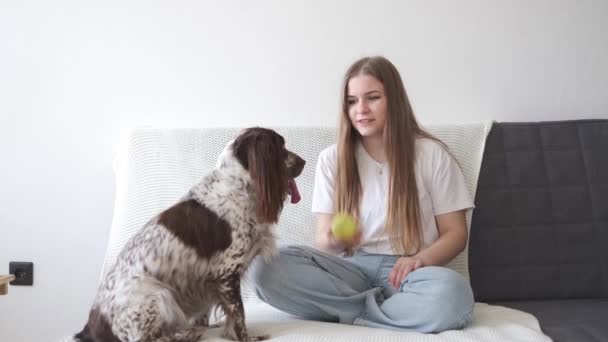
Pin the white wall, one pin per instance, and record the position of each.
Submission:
(74, 73)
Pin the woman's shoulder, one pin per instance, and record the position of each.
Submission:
(330, 153)
(328, 160)
(430, 148)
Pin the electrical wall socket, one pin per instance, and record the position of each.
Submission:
(23, 271)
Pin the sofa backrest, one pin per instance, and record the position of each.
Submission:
(155, 167)
(540, 228)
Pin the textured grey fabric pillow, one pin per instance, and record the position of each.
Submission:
(540, 229)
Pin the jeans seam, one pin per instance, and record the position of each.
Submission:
(336, 286)
(363, 313)
(380, 266)
(360, 273)
(312, 256)
(321, 262)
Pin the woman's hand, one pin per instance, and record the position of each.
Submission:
(402, 268)
(349, 244)
(326, 241)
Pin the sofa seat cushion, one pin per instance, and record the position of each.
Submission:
(491, 323)
(581, 320)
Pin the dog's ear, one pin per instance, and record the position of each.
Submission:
(266, 159)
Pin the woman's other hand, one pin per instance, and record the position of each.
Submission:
(402, 268)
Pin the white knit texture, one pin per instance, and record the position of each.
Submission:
(154, 167)
(490, 324)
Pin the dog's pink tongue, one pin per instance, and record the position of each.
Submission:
(293, 191)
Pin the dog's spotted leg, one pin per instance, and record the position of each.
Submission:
(150, 313)
(232, 304)
(203, 320)
(193, 334)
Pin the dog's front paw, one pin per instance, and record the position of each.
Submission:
(258, 337)
(247, 337)
(216, 325)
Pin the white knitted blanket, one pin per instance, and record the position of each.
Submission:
(155, 167)
(490, 324)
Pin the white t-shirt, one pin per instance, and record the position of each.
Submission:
(441, 190)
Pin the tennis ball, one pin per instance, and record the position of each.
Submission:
(343, 226)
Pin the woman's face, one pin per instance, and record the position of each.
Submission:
(366, 103)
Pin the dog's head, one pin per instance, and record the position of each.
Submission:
(272, 169)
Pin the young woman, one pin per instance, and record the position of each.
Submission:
(409, 198)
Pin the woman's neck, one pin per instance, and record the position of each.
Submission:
(374, 145)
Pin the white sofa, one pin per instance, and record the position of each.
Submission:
(154, 167)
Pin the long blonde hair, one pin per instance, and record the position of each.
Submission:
(400, 133)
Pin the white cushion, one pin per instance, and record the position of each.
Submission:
(490, 324)
(155, 167)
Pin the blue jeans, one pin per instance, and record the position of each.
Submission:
(355, 290)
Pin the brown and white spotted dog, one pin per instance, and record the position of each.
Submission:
(191, 257)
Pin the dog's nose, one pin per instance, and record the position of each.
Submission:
(296, 164)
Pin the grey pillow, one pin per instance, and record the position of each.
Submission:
(540, 227)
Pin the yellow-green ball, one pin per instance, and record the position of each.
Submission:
(343, 227)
